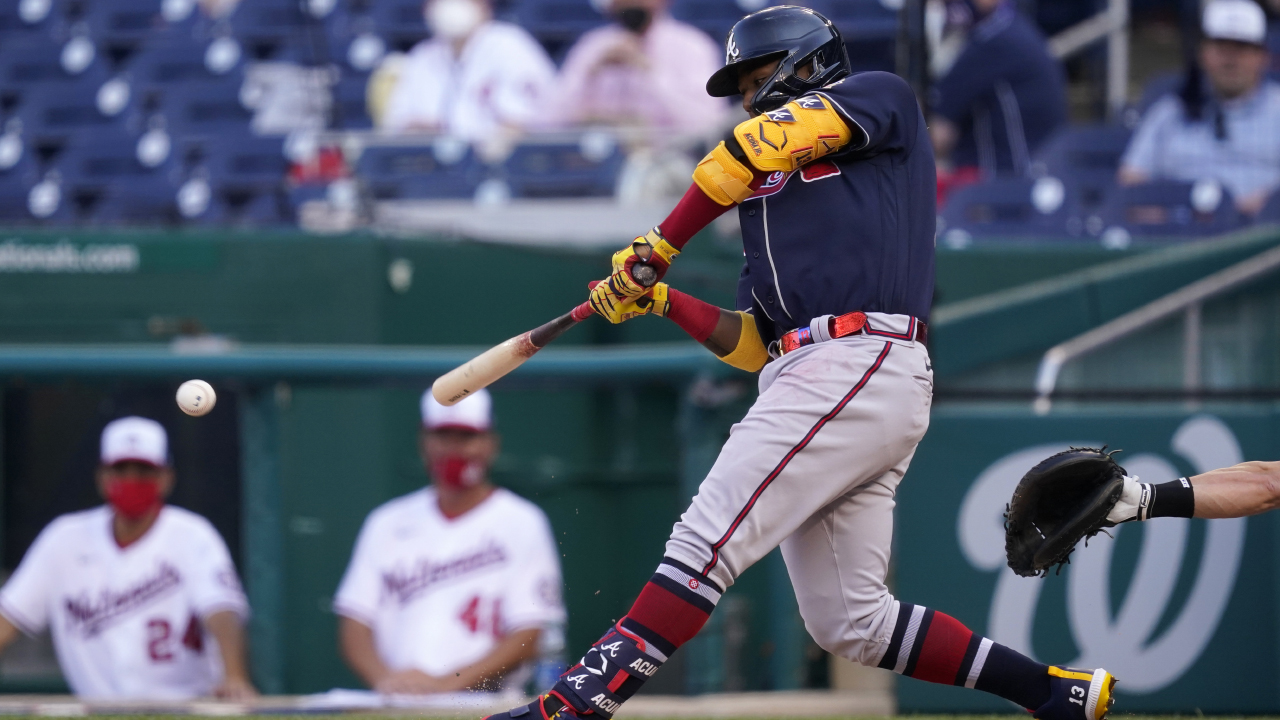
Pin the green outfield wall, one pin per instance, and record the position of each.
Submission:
(320, 347)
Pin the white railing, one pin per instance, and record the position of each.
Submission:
(1112, 24)
(1188, 300)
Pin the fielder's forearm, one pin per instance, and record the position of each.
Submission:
(1246, 489)
(359, 651)
(510, 651)
(226, 628)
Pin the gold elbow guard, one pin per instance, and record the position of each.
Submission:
(750, 353)
(722, 177)
(799, 132)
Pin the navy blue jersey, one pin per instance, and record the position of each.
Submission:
(1005, 94)
(852, 231)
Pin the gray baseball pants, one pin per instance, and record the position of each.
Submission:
(814, 467)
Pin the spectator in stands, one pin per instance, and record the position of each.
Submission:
(645, 68)
(476, 77)
(1231, 135)
(141, 598)
(456, 585)
(1004, 95)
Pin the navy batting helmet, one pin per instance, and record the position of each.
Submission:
(797, 36)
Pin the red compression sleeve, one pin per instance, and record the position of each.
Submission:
(694, 212)
(692, 315)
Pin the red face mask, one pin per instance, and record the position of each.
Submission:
(133, 497)
(457, 472)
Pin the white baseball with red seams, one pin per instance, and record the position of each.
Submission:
(196, 397)
(814, 467)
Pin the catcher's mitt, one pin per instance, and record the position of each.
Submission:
(1064, 498)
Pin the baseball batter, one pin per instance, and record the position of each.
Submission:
(455, 585)
(142, 598)
(833, 178)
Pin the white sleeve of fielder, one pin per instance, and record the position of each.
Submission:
(357, 596)
(26, 597)
(532, 597)
(215, 587)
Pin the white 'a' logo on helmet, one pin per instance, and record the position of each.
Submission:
(730, 50)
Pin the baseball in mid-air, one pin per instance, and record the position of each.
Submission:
(196, 397)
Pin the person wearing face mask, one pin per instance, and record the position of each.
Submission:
(646, 68)
(1003, 97)
(475, 78)
(141, 597)
(1228, 133)
(455, 586)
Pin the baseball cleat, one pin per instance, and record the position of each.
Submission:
(544, 707)
(1077, 694)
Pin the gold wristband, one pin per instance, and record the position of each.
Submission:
(750, 353)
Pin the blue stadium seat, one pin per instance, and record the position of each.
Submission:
(58, 111)
(562, 170)
(1008, 207)
(131, 21)
(349, 111)
(557, 24)
(27, 61)
(20, 170)
(206, 108)
(714, 17)
(1086, 158)
(246, 175)
(1167, 208)
(1270, 212)
(13, 22)
(399, 22)
(395, 173)
(175, 58)
(101, 163)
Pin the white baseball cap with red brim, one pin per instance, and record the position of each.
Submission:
(473, 413)
(135, 438)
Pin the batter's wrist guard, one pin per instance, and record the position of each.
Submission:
(723, 177)
(750, 353)
(797, 133)
(608, 664)
(661, 252)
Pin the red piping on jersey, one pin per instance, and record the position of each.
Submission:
(782, 464)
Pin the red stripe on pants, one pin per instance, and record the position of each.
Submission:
(663, 612)
(943, 650)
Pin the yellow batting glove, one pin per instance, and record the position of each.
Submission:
(617, 310)
(661, 253)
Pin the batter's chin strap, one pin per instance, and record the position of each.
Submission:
(592, 684)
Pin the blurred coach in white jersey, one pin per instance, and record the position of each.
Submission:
(142, 598)
(454, 586)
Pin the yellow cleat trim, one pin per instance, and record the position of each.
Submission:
(1056, 671)
(722, 177)
(1100, 695)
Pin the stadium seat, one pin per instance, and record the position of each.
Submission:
(1008, 207)
(208, 107)
(102, 162)
(245, 174)
(564, 169)
(1086, 158)
(135, 21)
(1168, 208)
(396, 173)
(349, 111)
(20, 170)
(714, 17)
(557, 24)
(1270, 212)
(16, 19)
(57, 111)
(26, 62)
(399, 22)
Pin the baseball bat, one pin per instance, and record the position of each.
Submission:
(492, 364)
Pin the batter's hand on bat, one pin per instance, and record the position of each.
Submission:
(618, 310)
(651, 248)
